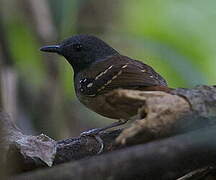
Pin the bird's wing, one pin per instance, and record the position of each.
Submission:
(121, 72)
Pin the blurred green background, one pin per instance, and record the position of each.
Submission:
(176, 37)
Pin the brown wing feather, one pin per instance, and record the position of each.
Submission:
(121, 72)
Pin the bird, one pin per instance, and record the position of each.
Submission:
(100, 69)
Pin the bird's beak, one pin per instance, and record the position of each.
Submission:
(51, 48)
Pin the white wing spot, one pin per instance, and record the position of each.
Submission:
(119, 73)
(83, 80)
(101, 88)
(151, 76)
(91, 95)
(143, 70)
(114, 77)
(89, 85)
(124, 66)
(97, 77)
(102, 73)
(105, 71)
(110, 67)
(108, 82)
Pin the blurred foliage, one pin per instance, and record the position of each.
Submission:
(176, 37)
(183, 33)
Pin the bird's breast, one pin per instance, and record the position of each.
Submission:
(102, 105)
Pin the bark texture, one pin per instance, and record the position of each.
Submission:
(167, 159)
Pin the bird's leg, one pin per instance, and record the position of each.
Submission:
(96, 132)
(115, 124)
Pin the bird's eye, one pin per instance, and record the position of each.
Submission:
(77, 47)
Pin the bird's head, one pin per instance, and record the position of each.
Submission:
(82, 50)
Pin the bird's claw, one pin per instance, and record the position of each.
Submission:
(100, 141)
(97, 131)
(96, 134)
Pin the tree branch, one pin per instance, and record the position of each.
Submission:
(167, 159)
(28, 152)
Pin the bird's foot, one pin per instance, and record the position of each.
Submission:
(97, 131)
(96, 134)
